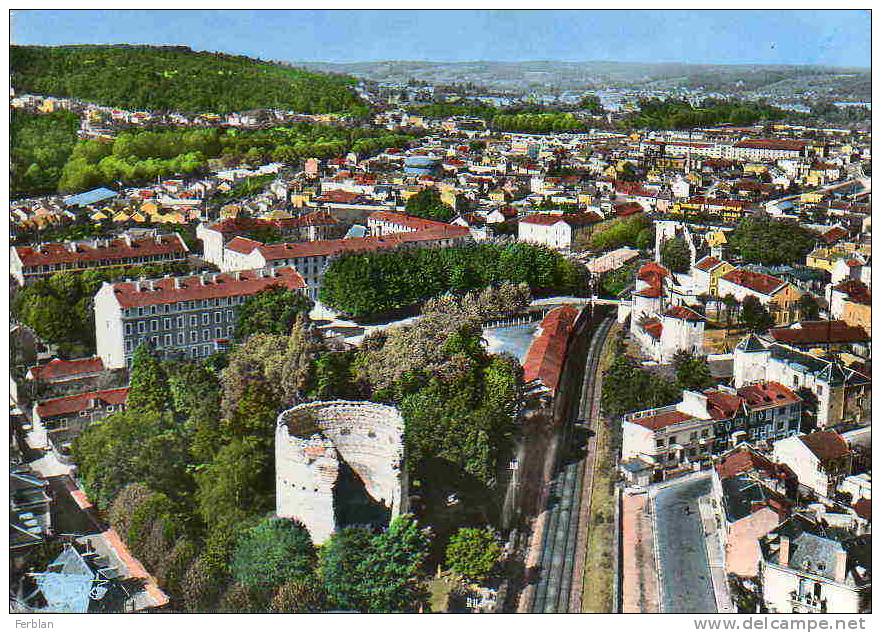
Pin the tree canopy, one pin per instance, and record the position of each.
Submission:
(427, 204)
(474, 552)
(675, 255)
(763, 240)
(40, 145)
(409, 276)
(270, 311)
(176, 79)
(272, 553)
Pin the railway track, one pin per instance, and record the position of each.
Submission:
(560, 539)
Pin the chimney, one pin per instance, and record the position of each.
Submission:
(783, 554)
(137, 285)
(128, 240)
(150, 285)
(840, 566)
(177, 283)
(72, 247)
(238, 275)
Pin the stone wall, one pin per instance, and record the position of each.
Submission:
(313, 440)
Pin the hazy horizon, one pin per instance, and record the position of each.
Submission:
(831, 39)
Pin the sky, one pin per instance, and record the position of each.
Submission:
(831, 38)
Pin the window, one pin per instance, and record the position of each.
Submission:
(229, 331)
(154, 341)
(672, 440)
(206, 334)
(819, 390)
(128, 329)
(229, 316)
(206, 318)
(141, 327)
(168, 340)
(154, 325)
(181, 338)
(194, 321)
(180, 322)
(218, 316)
(194, 336)
(166, 323)
(659, 443)
(218, 332)
(705, 433)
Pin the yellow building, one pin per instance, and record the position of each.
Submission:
(585, 199)
(858, 314)
(784, 305)
(121, 216)
(722, 269)
(812, 197)
(150, 208)
(755, 168)
(47, 107)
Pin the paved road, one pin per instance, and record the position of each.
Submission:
(686, 584)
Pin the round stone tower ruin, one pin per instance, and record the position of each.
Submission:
(339, 463)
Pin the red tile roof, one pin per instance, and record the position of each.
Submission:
(744, 459)
(863, 508)
(771, 143)
(718, 202)
(338, 196)
(651, 271)
(757, 282)
(834, 234)
(826, 445)
(856, 291)
(653, 328)
(235, 226)
(547, 353)
(819, 332)
(681, 312)
(80, 402)
(243, 245)
(767, 395)
(115, 249)
(191, 288)
(662, 420)
(58, 369)
(627, 208)
(572, 219)
(707, 263)
(722, 405)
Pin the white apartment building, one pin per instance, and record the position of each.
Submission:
(188, 317)
(766, 150)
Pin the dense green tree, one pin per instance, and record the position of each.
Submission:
(754, 315)
(427, 204)
(237, 486)
(635, 231)
(474, 553)
(409, 276)
(808, 307)
(273, 552)
(592, 104)
(177, 79)
(148, 385)
(675, 255)
(298, 596)
(392, 567)
(663, 114)
(129, 447)
(763, 240)
(541, 123)
(40, 145)
(270, 311)
(692, 372)
(339, 559)
(627, 386)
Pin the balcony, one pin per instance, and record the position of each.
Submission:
(807, 603)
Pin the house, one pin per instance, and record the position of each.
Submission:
(706, 272)
(707, 423)
(179, 317)
(28, 263)
(543, 365)
(766, 150)
(778, 296)
(834, 335)
(820, 460)
(556, 230)
(851, 301)
(58, 421)
(842, 394)
(806, 568)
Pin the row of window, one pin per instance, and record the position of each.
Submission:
(194, 352)
(183, 306)
(767, 431)
(181, 339)
(179, 322)
(99, 263)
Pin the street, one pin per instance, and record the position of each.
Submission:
(686, 585)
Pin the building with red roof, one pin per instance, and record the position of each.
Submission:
(62, 419)
(189, 317)
(29, 263)
(557, 230)
(821, 460)
(547, 354)
(767, 149)
(59, 370)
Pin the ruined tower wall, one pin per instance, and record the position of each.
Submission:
(312, 438)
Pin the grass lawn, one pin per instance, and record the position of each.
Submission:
(598, 569)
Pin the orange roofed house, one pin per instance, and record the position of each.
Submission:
(778, 296)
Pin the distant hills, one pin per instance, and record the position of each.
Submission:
(175, 79)
(783, 81)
